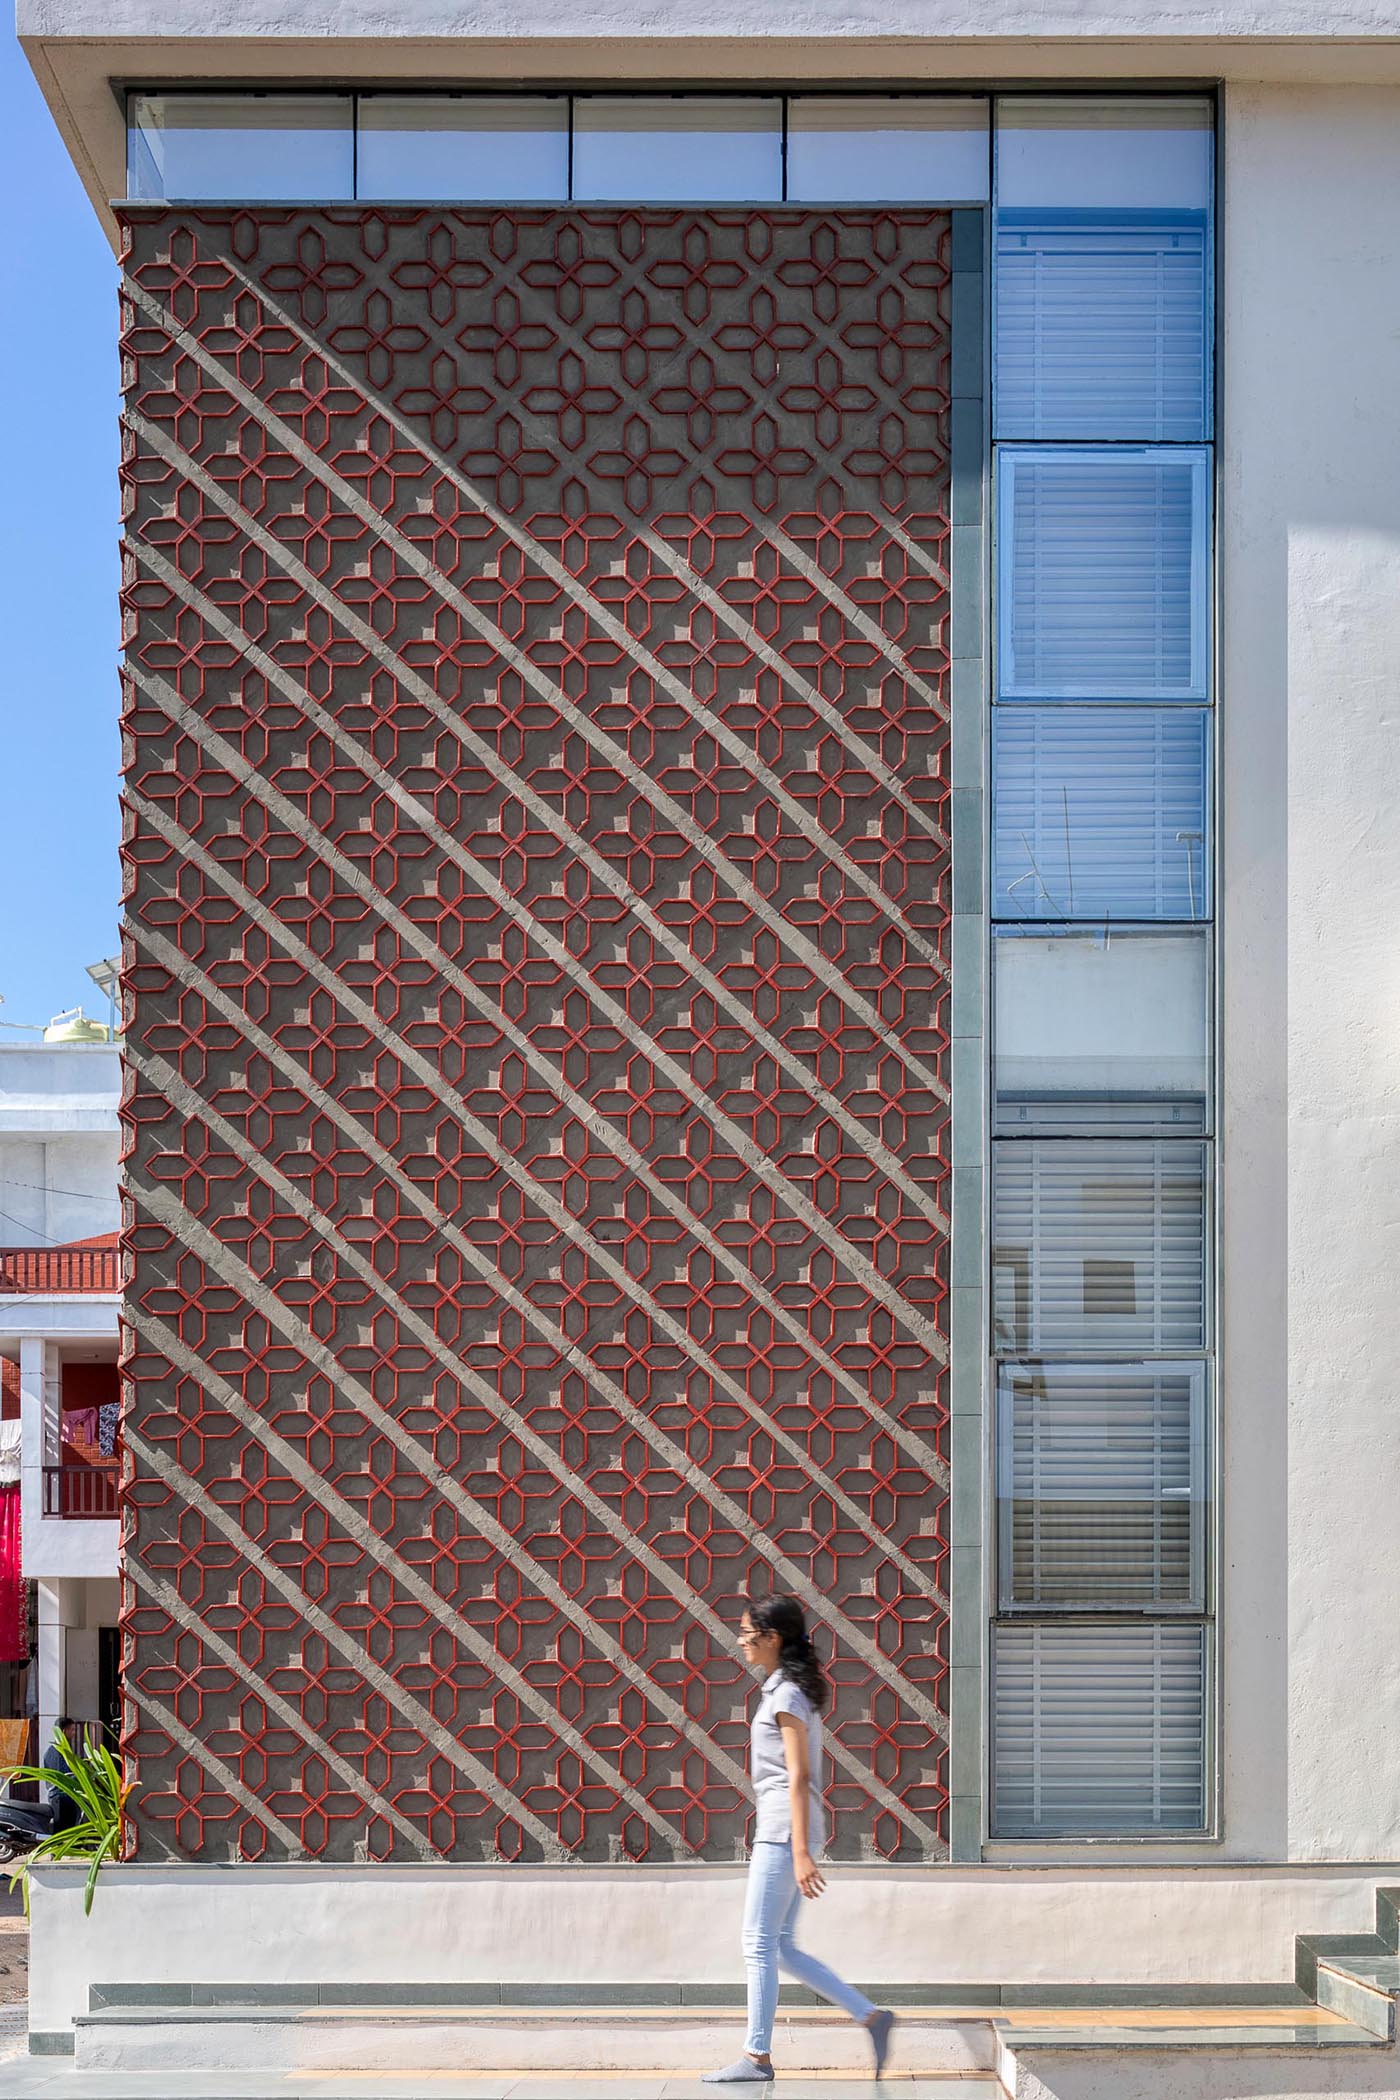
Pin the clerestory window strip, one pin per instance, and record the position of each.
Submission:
(639, 146)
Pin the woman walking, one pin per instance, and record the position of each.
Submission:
(785, 1765)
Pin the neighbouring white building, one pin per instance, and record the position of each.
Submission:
(762, 772)
(58, 1363)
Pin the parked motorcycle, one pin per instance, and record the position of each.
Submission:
(22, 1824)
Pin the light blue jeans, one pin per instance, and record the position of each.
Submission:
(771, 1904)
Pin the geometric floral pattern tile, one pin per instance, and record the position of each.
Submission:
(536, 967)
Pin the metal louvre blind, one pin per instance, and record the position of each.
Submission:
(1101, 1487)
(1101, 327)
(1099, 1730)
(1103, 576)
(1099, 813)
(1098, 1246)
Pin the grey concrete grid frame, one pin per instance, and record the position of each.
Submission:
(967, 1324)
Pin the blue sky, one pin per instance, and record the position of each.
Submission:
(59, 521)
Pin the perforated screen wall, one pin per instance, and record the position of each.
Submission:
(538, 1038)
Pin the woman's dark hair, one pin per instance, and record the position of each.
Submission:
(797, 1658)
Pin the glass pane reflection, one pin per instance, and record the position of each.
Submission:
(678, 148)
(1099, 1245)
(266, 147)
(1101, 1031)
(1121, 152)
(493, 147)
(887, 148)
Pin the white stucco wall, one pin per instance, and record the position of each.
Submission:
(1311, 913)
(51, 1088)
(576, 1924)
(54, 1189)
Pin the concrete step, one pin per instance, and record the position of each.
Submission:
(387, 2039)
(1256, 2052)
(1361, 1988)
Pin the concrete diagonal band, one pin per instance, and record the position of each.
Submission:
(801, 688)
(170, 1601)
(568, 1096)
(549, 690)
(188, 1104)
(891, 1166)
(208, 1760)
(560, 1216)
(175, 1090)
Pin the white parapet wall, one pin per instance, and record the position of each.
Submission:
(638, 1925)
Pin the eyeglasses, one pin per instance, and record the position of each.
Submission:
(745, 1638)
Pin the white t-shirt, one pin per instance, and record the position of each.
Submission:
(768, 1766)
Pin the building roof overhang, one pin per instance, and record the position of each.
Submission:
(86, 52)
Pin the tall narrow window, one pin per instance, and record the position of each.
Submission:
(1102, 966)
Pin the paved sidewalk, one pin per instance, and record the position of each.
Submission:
(55, 2079)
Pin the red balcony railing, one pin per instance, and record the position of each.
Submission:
(84, 1265)
(80, 1491)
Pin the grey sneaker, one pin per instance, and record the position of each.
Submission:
(743, 2072)
(880, 2030)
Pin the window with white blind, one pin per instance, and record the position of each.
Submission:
(1099, 1730)
(1102, 321)
(1100, 813)
(1101, 1487)
(1098, 1245)
(1101, 1030)
(1103, 573)
(1103, 258)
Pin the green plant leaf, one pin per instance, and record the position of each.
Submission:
(92, 1781)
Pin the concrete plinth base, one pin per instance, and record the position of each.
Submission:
(570, 2039)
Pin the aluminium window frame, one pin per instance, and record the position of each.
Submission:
(1207, 1842)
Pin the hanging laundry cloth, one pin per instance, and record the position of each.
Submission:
(10, 1444)
(79, 1428)
(14, 1601)
(108, 1416)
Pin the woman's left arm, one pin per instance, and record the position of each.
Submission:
(799, 1771)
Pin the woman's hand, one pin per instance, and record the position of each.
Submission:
(809, 1874)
